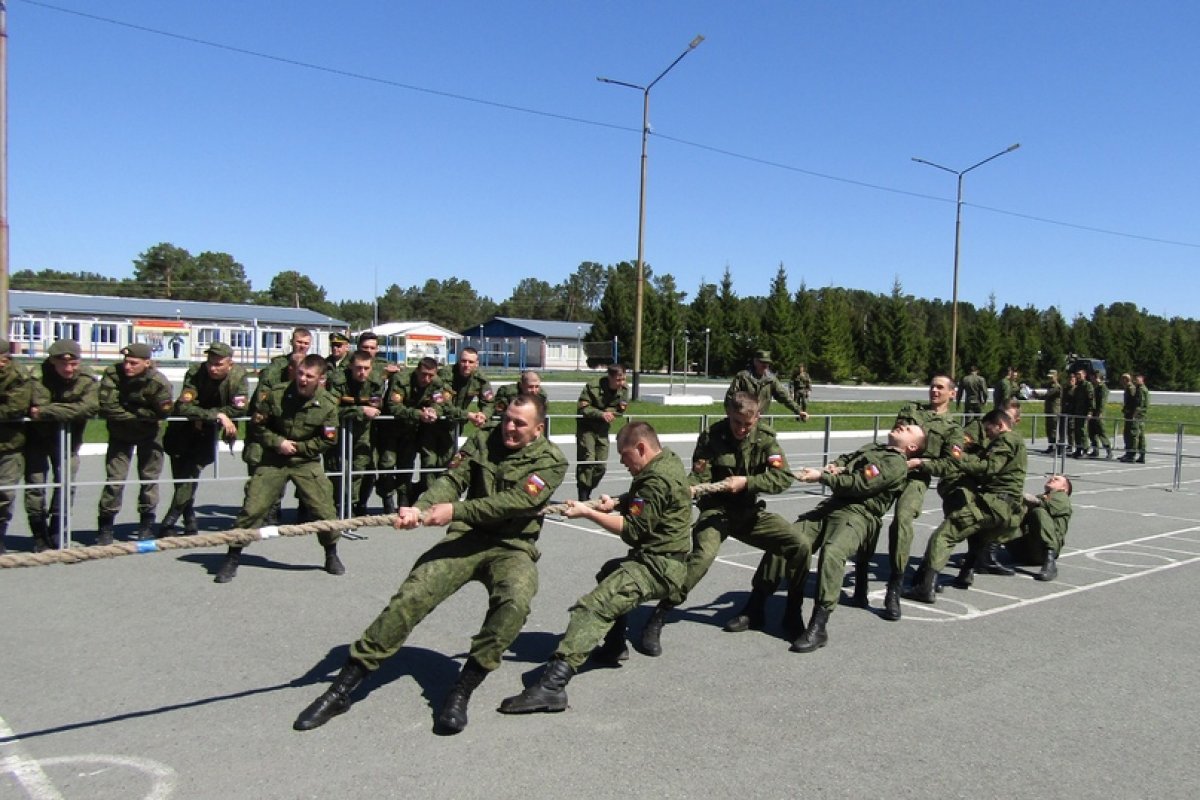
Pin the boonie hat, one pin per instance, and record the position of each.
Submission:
(220, 349)
(137, 350)
(64, 347)
(762, 355)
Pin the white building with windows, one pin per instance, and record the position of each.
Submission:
(176, 330)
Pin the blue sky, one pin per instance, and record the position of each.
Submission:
(472, 140)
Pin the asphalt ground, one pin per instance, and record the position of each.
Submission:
(138, 677)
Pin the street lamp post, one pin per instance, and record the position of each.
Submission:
(578, 345)
(957, 237)
(706, 330)
(641, 263)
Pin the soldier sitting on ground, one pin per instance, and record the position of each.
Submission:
(1043, 530)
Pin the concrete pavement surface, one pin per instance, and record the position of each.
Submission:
(138, 677)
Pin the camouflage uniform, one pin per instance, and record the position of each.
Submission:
(1082, 405)
(134, 409)
(506, 394)
(492, 539)
(60, 403)
(474, 390)
(409, 438)
(801, 388)
(765, 389)
(657, 525)
(352, 398)
(191, 444)
(1136, 402)
(972, 394)
(1044, 527)
(1095, 424)
(16, 395)
(591, 432)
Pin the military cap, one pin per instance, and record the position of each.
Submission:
(65, 347)
(763, 356)
(220, 349)
(338, 338)
(137, 350)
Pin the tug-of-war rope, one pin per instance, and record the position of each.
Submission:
(239, 537)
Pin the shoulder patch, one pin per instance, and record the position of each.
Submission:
(871, 471)
(637, 507)
(584, 404)
(699, 465)
(956, 452)
(775, 460)
(239, 401)
(166, 405)
(330, 432)
(534, 485)
(488, 396)
(187, 396)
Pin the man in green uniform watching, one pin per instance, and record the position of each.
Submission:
(744, 453)
(863, 485)
(339, 351)
(1051, 396)
(601, 401)
(360, 391)
(983, 507)
(16, 395)
(295, 423)
(655, 520)
(507, 474)
(801, 386)
(1097, 436)
(1135, 404)
(65, 394)
(418, 403)
(972, 393)
(763, 384)
(939, 459)
(1082, 404)
(529, 383)
(215, 392)
(134, 398)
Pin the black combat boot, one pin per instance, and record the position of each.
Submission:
(613, 650)
(1127, 458)
(891, 598)
(1108, 453)
(966, 572)
(1094, 452)
(335, 700)
(814, 636)
(358, 510)
(652, 633)
(104, 536)
(41, 534)
(1141, 459)
(753, 615)
(548, 694)
(988, 562)
(922, 588)
(229, 567)
(793, 612)
(3, 533)
(862, 580)
(167, 526)
(1049, 567)
(190, 526)
(452, 718)
(333, 564)
(145, 529)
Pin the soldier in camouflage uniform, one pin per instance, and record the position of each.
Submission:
(361, 392)
(417, 402)
(601, 401)
(1052, 406)
(507, 473)
(339, 352)
(982, 509)
(530, 383)
(801, 387)
(279, 371)
(1082, 400)
(1043, 531)
(1135, 403)
(16, 396)
(296, 424)
(134, 398)
(65, 395)
(655, 520)
(743, 451)
(215, 392)
(470, 387)
(762, 383)
(939, 459)
(863, 485)
(972, 393)
(1007, 388)
(1095, 424)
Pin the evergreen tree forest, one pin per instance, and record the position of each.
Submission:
(841, 334)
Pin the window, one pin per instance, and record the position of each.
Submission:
(272, 340)
(66, 330)
(104, 333)
(26, 330)
(206, 336)
(241, 340)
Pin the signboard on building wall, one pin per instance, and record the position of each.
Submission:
(420, 345)
(169, 339)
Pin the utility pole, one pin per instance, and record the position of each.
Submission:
(3, 169)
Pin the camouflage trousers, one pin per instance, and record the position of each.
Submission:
(590, 446)
(266, 486)
(755, 527)
(117, 461)
(12, 467)
(508, 573)
(840, 535)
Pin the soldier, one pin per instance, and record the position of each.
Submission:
(508, 473)
(134, 398)
(360, 391)
(530, 383)
(972, 393)
(801, 386)
(601, 401)
(417, 403)
(1082, 400)
(214, 393)
(469, 387)
(1136, 402)
(16, 396)
(1095, 424)
(863, 485)
(369, 342)
(654, 519)
(1043, 531)
(1007, 388)
(982, 512)
(745, 454)
(279, 372)
(65, 394)
(762, 383)
(1052, 401)
(939, 459)
(295, 423)
(339, 352)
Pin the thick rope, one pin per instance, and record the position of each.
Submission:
(699, 490)
(237, 537)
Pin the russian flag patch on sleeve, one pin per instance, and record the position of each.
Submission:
(775, 460)
(637, 506)
(534, 485)
(871, 471)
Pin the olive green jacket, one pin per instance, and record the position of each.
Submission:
(134, 407)
(597, 398)
(657, 509)
(16, 395)
(283, 413)
(57, 401)
(758, 457)
(868, 482)
(765, 389)
(944, 440)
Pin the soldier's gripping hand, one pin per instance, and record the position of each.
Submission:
(407, 518)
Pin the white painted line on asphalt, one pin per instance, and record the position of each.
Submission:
(27, 771)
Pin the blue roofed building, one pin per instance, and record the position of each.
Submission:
(515, 343)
